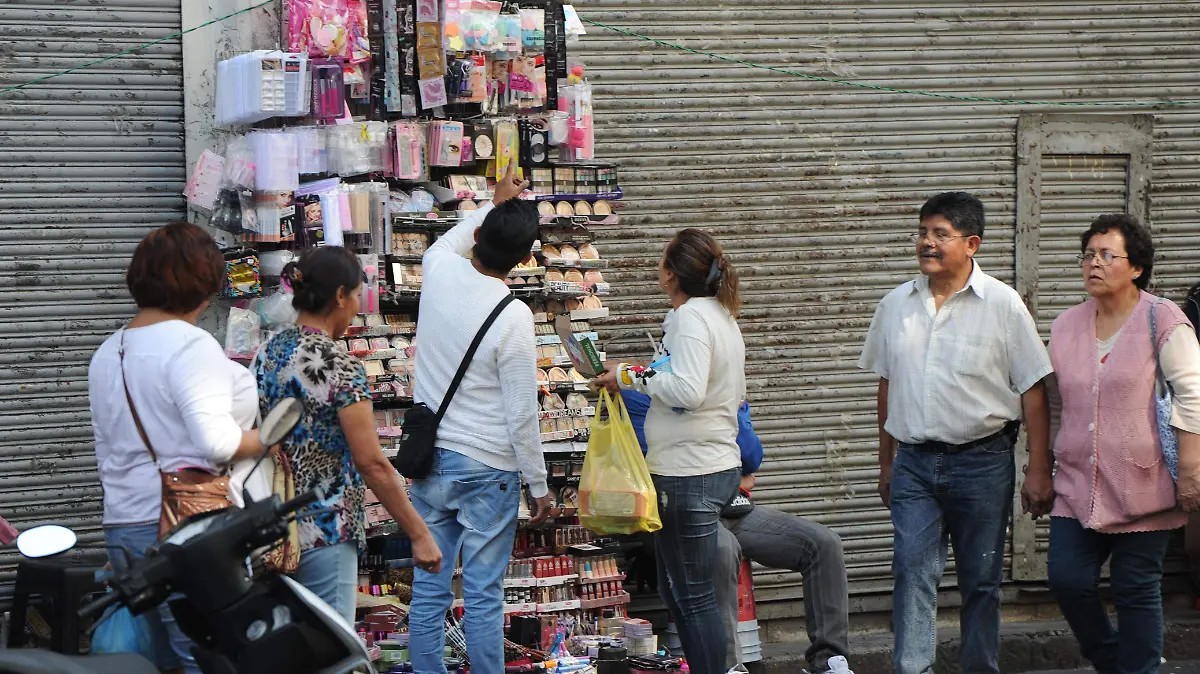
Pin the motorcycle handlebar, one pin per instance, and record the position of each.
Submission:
(303, 500)
(99, 605)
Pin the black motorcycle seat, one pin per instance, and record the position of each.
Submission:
(34, 661)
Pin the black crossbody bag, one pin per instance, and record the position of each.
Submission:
(418, 444)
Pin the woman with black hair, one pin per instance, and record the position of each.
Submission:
(335, 447)
(691, 434)
(1115, 497)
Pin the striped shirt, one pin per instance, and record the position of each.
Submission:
(956, 374)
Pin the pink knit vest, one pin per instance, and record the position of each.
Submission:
(1111, 475)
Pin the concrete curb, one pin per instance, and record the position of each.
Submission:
(1024, 647)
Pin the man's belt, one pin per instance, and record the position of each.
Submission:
(1010, 431)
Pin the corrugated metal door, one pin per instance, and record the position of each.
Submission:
(1075, 189)
(89, 162)
(813, 186)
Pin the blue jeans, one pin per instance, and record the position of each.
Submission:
(964, 499)
(331, 573)
(686, 548)
(173, 648)
(1076, 555)
(471, 507)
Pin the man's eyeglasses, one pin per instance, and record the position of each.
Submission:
(938, 237)
(1104, 258)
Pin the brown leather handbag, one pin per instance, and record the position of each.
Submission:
(184, 492)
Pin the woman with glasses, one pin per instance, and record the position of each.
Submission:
(1116, 500)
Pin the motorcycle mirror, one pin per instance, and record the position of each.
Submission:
(280, 421)
(46, 541)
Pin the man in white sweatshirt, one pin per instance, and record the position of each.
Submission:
(489, 436)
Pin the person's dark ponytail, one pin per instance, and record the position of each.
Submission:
(702, 269)
(318, 275)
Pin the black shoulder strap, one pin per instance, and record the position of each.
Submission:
(466, 361)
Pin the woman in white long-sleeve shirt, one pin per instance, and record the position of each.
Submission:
(195, 405)
(691, 434)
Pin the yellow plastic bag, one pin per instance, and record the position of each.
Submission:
(616, 495)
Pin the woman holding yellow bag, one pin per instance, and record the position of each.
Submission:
(691, 433)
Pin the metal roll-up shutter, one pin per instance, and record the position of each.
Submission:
(813, 187)
(1175, 201)
(89, 162)
(1075, 189)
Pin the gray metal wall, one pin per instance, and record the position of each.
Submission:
(813, 187)
(89, 162)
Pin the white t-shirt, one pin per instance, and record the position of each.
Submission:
(493, 417)
(193, 402)
(691, 426)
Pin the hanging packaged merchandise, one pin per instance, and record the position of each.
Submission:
(458, 79)
(328, 89)
(616, 494)
(445, 143)
(433, 93)
(482, 141)
(357, 148)
(276, 213)
(358, 43)
(391, 56)
(381, 224)
(331, 218)
(499, 96)
(242, 278)
(410, 151)
(359, 197)
(259, 85)
(276, 310)
(558, 127)
(276, 161)
(533, 28)
(535, 141)
(311, 151)
(243, 334)
(573, 24)
(310, 226)
(319, 27)
(204, 184)
(508, 33)
(507, 145)
(369, 292)
(576, 100)
(478, 21)
(234, 210)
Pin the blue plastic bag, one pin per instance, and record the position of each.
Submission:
(120, 631)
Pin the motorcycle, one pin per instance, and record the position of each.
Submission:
(241, 621)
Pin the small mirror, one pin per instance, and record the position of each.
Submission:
(45, 541)
(280, 421)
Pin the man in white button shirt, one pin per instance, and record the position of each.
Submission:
(959, 360)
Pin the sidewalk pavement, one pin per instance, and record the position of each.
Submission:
(1024, 647)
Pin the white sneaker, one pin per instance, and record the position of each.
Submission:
(738, 669)
(838, 665)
